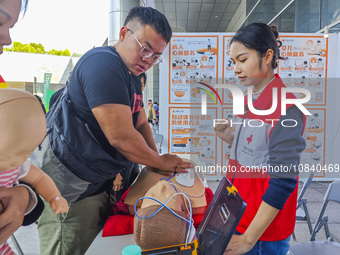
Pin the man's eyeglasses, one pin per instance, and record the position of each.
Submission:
(146, 52)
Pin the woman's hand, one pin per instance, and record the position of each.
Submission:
(14, 201)
(239, 244)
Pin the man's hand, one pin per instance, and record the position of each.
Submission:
(14, 201)
(173, 164)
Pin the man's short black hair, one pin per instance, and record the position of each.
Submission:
(152, 17)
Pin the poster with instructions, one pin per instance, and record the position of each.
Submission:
(305, 65)
(193, 133)
(193, 59)
(313, 157)
(227, 113)
(228, 75)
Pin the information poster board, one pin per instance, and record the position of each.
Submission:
(196, 63)
(305, 65)
(192, 133)
(193, 59)
(228, 75)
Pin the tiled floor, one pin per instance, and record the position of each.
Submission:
(29, 240)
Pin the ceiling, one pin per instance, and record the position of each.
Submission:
(198, 15)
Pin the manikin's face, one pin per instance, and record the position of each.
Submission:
(18, 152)
(162, 191)
(247, 65)
(23, 127)
(129, 49)
(9, 13)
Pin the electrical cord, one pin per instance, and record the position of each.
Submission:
(163, 205)
(175, 185)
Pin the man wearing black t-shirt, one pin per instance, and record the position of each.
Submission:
(105, 93)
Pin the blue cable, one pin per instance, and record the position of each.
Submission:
(168, 179)
(163, 205)
(160, 208)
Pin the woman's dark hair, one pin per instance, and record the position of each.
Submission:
(143, 75)
(152, 17)
(259, 37)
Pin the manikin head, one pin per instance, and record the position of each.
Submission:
(148, 177)
(164, 228)
(22, 125)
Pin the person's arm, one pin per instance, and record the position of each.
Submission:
(145, 130)
(14, 201)
(45, 186)
(33, 196)
(285, 146)
(35, 205)
(115, 121)
(241, 244)
(154, 116)
(105, 82)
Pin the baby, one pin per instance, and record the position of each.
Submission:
(23, 127)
